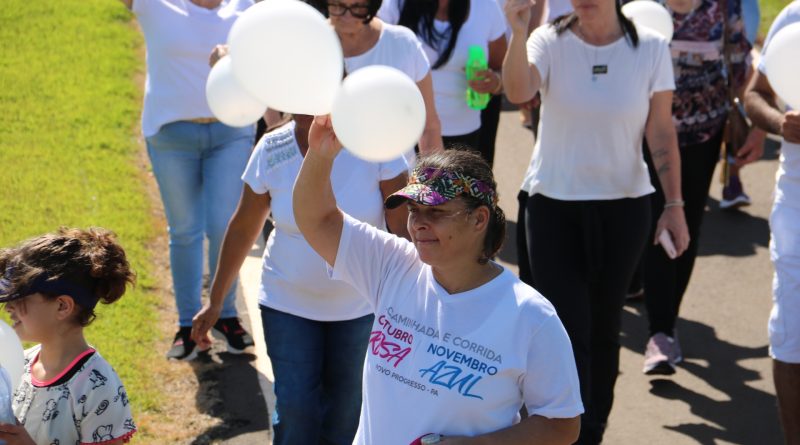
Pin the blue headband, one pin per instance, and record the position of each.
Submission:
(42, 284)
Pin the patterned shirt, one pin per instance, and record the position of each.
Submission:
(700, 102)
(87, 406)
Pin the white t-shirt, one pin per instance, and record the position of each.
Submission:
(89, 407)
(460, 364)
(397, 47)
(180, 36)
(787, 179)
(294, 278)
(485, 23)
(590, 131)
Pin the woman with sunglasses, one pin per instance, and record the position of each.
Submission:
(459, 344)
(604, 85)
(448, 29)
(366, 40)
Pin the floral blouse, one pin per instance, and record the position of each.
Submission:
(700, 102)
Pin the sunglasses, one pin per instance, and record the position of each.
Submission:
(359, 11)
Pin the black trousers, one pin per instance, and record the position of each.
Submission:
(665, 280)
(582, 257)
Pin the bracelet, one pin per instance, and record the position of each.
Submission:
(675, 203)
(499, 84)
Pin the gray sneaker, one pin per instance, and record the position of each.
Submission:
(661, 355)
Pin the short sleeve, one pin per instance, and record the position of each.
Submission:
(368, 257)
(550, 387)
(422, 66)
(663, 77)
(539, 50)
(254, 175)
(102, 409)
(393, 168)
(389, 11)
(497, 21)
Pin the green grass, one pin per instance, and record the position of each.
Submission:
(769, 9)
(68, 150)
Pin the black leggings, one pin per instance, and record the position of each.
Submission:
(665, 280)
(582, 257)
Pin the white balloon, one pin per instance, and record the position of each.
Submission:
(12, 356)
(378, 113)
(650, 14)
(229, 102)
(286, 54)
(783, 64)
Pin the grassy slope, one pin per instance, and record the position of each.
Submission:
(68, 152)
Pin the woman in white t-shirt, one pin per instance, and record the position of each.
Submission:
(447, 29)
(316, 328)
(196, 159)
(367, 40)
(603, 87)
(459, 344)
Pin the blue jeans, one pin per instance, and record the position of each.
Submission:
(198, 168)
(318, 367)
(751, 14)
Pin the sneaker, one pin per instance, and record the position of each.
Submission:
(183, 347)
(233, 334)
(677, 354)
(660, 356)
(733, 195)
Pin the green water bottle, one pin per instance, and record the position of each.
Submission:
(476, 61)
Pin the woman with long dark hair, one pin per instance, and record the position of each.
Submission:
(604, 85)
(447, 30)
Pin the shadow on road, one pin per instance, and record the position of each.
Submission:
(731, 233)
(746, 415)
(229, 390)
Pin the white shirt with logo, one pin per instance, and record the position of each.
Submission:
(461, 364)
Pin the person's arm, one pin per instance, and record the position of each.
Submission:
(15, 434)
(243, 230)
(534, 430)
(762, 109)
(663, 142)
(431, 139)
(521, 80)
(396, 218)
(315, 211)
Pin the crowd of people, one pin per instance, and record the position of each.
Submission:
(386, 318)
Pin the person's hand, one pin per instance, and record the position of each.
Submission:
(753, 147)
(674, 221)
(202, 323)
(485, 82)
(322, 139)
(15, 435)
(455, 440)
(790, 126)
(217, 53)
(532, 104)
(518, 14)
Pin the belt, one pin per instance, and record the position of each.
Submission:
(203, 120)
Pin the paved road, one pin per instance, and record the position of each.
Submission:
(722, 393)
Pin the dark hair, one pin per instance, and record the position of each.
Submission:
(91, 259)
(470, 163)
(418, 16)
(322, 6)
(563, 23)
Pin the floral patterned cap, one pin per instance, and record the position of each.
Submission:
(432, 186)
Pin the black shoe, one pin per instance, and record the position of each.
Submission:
(183, 347)
(233, 334)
